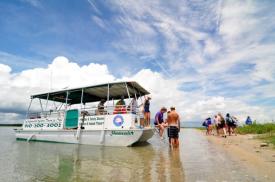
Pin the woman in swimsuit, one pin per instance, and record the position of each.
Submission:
(147, 111)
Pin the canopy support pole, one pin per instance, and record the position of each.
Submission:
(28, 111)
(108, 98)
(131, 107)
(41, 105)
(127, 90)
(108, 93)
(47, 101)
(66, 102)
(82, 92)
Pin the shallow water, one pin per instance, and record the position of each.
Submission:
(41, 161)
(195, 160)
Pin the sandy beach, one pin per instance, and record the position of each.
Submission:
(247, 149)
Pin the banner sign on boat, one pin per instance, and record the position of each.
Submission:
(43, 123)
(93, 122)
(122, 132)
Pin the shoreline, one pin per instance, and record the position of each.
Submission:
(247, 150)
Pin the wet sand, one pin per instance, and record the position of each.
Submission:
(247, 150)
(212, 158)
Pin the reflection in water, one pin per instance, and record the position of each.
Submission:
(65, 162)
(176, 168)
(65, 169)
(38, 161)
(42, 161)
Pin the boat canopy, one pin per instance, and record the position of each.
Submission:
(108, 91)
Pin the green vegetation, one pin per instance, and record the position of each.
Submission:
(256, 128)
(268, 139)
(202, 128)
(266, 131)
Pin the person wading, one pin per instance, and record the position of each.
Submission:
(173, 124)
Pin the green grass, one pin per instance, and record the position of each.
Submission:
(266, 131)
(257, 128)
(269, 139)
(202, 128)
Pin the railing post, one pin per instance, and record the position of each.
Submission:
(128, 97)
(66, 101)
(82, 92)
(47, 101)
(108, 98)
(41, 106)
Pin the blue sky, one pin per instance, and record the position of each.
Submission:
(217, 55)
(41, 30)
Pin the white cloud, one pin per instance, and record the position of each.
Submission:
(16, 88)
(164, 91)
(94, 6)
(211, 47)
(62, 73)
(99, 22)
(264, 70)
(4, 73)
(237, 18)
(207, 38)
(35, 3)
(136, 37)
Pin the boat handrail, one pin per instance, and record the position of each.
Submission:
(109, 110)
(91, 111)
(47, 114)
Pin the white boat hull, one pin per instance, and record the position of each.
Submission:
(89, 137)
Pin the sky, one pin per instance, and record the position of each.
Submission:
(202, 57)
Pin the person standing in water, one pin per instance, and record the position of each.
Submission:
(147, 111)
(174, 127)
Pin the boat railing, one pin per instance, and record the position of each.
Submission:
(91, 111)
(47, 114)
(109, 110)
